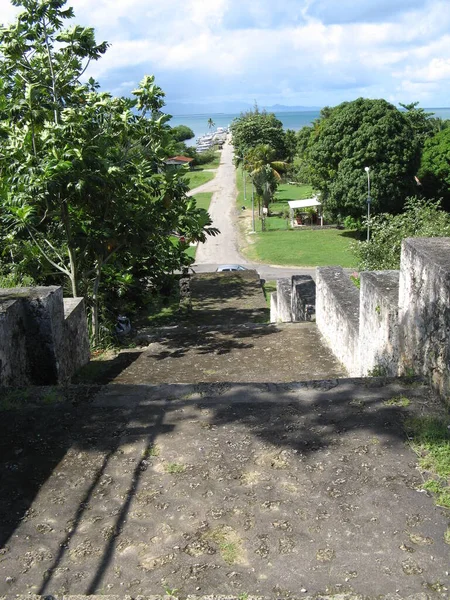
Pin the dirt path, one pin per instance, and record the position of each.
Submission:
(224, 247)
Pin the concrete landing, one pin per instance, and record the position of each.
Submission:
(274, 490)
(245, 353)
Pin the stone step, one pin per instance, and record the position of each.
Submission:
(303, 595)
(248, 353)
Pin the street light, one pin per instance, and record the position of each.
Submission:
(245, 193)
(253, 209)
(367, 170)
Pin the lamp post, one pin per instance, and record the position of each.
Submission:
(245, 193)
(253, 209)
(367, 170)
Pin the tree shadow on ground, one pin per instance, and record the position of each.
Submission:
(102, 372)
(35, 440)
(176, 344)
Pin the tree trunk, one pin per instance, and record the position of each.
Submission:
(70, 250)
(95, 289)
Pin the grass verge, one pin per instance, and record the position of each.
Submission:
(281, 245)
(197, 178)
(268, 288)
(203, 199)
(307, 248)
(430, 439)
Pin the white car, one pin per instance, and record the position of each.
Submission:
(223, 268)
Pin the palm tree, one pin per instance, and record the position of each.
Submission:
(265, 171)
(211, 124)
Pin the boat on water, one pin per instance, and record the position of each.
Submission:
(209, 140)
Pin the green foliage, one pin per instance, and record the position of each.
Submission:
(430, 438)
(203, 158)
(264, 171)
(435, 167)
(181, 133)
(83, 185)
(354, 135)
(421, 218)
(257, 127)
(422, 123)
(352, 223)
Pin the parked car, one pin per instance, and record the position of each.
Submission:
(222, 268)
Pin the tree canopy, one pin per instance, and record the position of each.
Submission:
(435, 167)
(83, 186)
(181, 133)
(256, 127)
(354, 135)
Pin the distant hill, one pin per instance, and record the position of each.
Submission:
(278, 108)
(228, 108)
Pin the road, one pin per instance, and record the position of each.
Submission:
(224, 248)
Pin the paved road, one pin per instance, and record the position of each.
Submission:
(223, 248)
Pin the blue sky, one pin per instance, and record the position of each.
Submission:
(294, 52)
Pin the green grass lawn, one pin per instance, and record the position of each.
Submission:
(306, 248)
(196, 178)
(203, 199)
(280, 245)
(213, 164)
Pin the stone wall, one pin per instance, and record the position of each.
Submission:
(337, 315)
(424, 310)
(294, 300)
(398, 323)
(378, 323)
(43, 340)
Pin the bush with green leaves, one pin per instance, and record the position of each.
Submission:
(421, 218)
(83, 183)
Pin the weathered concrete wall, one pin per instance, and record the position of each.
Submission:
(337, 315)
(40, 343)
(378, 323)
(76, 351)
(284, 290)
(424, 310)
(44, 331)
(303, 295)
(273, 307)
(13, 350)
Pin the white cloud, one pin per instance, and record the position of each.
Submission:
(262, 49)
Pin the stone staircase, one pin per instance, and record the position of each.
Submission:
(278, 490)
(222, 462)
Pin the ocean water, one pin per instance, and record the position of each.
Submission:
(290, 120)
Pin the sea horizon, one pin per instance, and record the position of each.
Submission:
(294, 120)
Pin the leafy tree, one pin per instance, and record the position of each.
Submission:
(258, 127)
(211, 123)
(421, 122)
(354, 135)
(181, 133)
(264, 171)
(435, 167)
(82, 180)
(421, 218)
(291, 145)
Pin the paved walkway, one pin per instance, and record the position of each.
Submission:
(223, 248)
(283, 491)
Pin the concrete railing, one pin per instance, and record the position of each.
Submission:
(398, 323)
(294, 300)
(43, 337)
